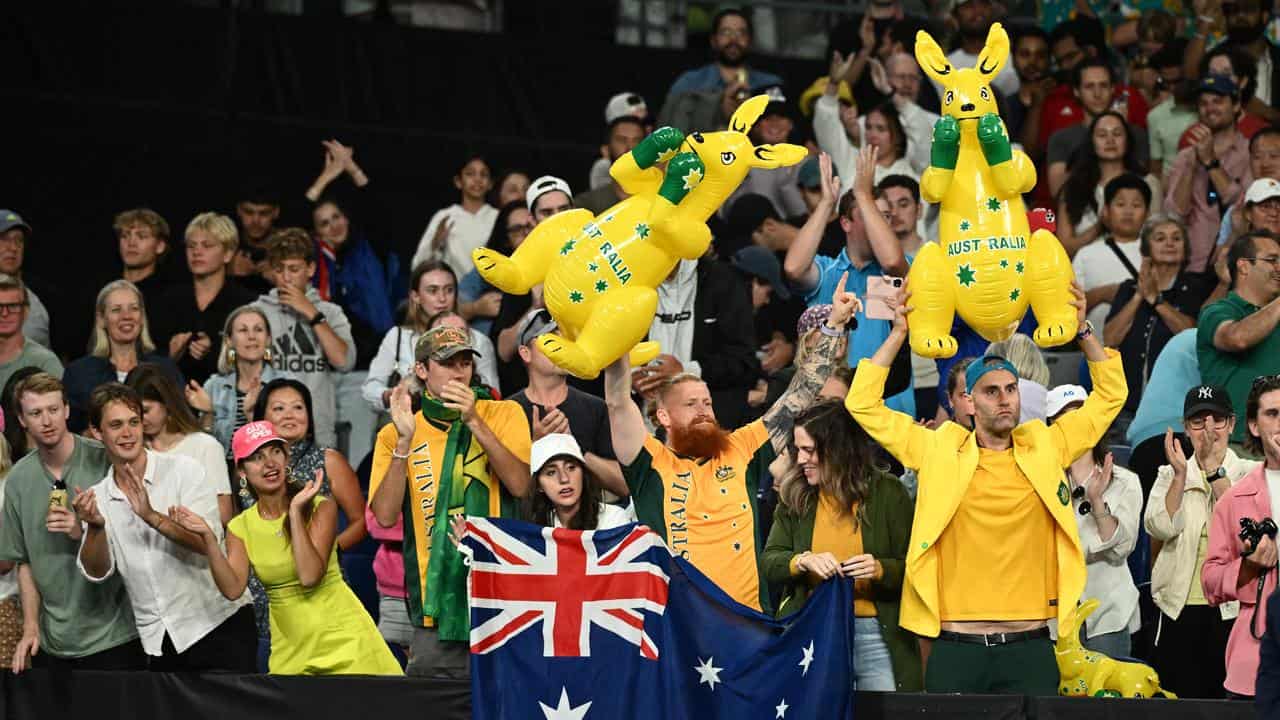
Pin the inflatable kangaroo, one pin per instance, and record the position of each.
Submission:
(1083, 673)
(987, 266)
(599, 273)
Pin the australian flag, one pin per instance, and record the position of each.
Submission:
(569, 625)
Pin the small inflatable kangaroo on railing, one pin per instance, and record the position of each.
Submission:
(987, 266)
(599, 274)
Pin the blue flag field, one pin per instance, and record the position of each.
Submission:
(569, 625)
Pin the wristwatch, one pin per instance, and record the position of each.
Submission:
(319, 318)
(1218, 474)
(1085, 330)
(1212, 164)
(1159, 299)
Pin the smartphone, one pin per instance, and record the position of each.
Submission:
(880, 291)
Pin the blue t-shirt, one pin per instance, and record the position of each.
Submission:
(470, 288)
(870, 334)
(1176, 371)
(708, 78)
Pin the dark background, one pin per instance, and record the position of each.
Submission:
(113, 105)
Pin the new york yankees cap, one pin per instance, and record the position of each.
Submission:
(1207, 397)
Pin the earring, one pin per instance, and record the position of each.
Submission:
(266, 355)
(231, 355)
(246, 499)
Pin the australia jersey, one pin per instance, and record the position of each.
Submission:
(705, 509)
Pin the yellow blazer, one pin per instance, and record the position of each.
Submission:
(945, 460)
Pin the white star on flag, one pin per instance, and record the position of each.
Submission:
(708, 673)
(781, 709)
(807, 660)
(563, 711)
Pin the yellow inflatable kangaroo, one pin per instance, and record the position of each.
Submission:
(987, 266)
(1084, 673)
(599, 273)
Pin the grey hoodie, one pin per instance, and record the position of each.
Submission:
(296, 350)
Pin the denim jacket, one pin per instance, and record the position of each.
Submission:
(222, 393)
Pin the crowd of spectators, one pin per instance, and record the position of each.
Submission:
(196, 491)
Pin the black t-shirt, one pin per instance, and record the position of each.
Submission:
(588, 420)
(1148, 334)
(181, 314)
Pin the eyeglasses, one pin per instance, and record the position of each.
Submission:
(1217, 422)
(1271, 205)
(10, 308)
(1271, 260)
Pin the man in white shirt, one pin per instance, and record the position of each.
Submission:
(184, 622)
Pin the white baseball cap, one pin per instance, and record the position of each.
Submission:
(624, 104)
(1060, 397)
(1262, 189)
(544, 185)
(551, 446)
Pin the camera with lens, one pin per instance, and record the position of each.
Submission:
(1251, 533)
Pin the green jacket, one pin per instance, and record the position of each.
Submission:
(885, 534)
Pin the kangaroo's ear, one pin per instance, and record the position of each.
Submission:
(747, 113)
(779, 155)
(995, 53)
(931, 58)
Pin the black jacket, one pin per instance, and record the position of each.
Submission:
(724, 340)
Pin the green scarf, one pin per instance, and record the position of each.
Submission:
(446, 597)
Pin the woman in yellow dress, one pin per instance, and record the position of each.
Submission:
(318, 626)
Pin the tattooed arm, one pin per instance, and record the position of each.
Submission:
(823, 348)
(820, 356)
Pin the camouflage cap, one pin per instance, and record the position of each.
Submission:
(442, 343)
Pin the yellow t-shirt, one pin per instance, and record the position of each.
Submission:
(505, 419)
(1195, 595)
(841, 536)
(998, 558)
(706, 509)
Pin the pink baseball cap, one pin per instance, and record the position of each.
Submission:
(252, 436)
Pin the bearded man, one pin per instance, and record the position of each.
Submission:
(698, 490)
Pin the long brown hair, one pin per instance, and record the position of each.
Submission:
(846, 460)
(151, 383)
(415, 316)
(291, 488)
(542, 510)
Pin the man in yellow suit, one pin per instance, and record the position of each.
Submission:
(994, 550)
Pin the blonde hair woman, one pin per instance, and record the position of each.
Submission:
(226, 401)
(119, 343)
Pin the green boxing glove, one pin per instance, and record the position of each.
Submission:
(684, 172)
(664, 141)
(945, 150)
(995, 144)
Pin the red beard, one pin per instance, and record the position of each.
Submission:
(699, 439)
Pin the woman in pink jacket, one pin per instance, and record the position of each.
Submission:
(1234, 569)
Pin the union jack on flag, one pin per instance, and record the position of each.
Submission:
(606, 601)
(566, 580)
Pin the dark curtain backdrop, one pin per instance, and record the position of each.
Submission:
(113, 105)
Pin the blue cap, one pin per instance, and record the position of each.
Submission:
(988, 363)
(809, 176)
(1218, 85)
